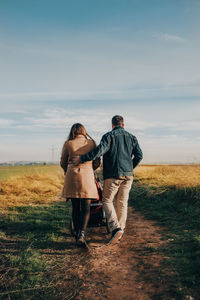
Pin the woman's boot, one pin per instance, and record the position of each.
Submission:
(81, 238)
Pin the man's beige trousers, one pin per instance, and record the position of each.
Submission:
(116, 190)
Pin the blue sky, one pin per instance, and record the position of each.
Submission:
(63, 62)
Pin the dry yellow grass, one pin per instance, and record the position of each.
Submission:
(30, 189)
(44, 188)
(166, 175)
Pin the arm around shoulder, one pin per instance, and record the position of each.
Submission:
(98, 151)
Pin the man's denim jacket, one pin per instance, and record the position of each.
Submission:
(121, 153)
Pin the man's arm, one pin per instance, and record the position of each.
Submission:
(101, 149)
(137, 152)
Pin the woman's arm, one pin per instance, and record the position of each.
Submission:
(64, 157)
(96, 163)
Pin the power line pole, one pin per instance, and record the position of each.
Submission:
(53, 148)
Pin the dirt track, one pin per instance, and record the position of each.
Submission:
(128, 270)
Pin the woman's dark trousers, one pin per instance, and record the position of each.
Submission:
(80, 213)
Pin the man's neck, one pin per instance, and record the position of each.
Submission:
(117, 126)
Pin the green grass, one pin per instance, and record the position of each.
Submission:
(7, 172)
(33, 248)
(177, 209)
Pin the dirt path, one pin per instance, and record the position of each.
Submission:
(128, 270)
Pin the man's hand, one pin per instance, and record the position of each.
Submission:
(76, 160)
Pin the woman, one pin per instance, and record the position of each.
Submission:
(79, 184)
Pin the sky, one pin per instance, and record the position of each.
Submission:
(68, 61)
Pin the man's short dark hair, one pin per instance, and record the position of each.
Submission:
(117, 120)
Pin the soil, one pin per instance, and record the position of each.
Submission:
(131, 269)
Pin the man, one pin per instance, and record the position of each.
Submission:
(121, 154)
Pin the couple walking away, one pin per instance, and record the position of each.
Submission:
(80, 157)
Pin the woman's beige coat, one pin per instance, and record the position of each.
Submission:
(79, 180)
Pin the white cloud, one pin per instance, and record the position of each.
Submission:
(179, 87)
(97, 66)
(51, 127)
(6, 122)
(171, 148)
(97, 121)
(7, 135)
(62, 119)
(188, 125)
(171, 37)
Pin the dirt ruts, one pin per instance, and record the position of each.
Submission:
(131, 269)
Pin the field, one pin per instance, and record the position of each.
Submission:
(29, 185)
(39, 258)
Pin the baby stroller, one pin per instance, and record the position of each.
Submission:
(97, 213)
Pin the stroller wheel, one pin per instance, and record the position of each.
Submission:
(107, 227)
(72, 229)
